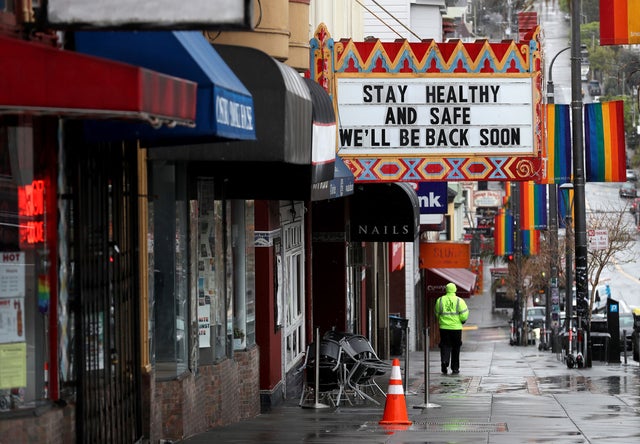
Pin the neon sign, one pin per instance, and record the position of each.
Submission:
(31, 211)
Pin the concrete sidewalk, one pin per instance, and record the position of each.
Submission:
(503, 394)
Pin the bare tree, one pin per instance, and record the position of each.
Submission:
(621, 232)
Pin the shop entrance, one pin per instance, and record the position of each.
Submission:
(106, 311)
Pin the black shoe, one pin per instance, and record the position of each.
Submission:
(444, 369)
(455, 372)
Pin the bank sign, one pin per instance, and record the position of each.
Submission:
(432, 197)
(436, 116)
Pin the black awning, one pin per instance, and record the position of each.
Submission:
(384, 212)
(323, 137)
(281, 163)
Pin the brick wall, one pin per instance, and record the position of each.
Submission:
(49, 425)
(218, 395)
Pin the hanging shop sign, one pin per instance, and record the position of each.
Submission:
(432, 197)
(445, 255)
(150, 14)
(491, 199)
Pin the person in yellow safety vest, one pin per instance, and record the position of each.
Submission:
(451, 312)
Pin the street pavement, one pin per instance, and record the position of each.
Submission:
(503, 394)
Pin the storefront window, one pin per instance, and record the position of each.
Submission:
(250, 274)
(168, 213)
(214, 275)
(243, 272)
(25, 280)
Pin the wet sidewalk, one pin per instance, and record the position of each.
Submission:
(503, 394)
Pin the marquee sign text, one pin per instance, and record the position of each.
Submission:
(436, 116)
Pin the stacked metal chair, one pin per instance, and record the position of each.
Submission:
(362, 366)
(331, 382)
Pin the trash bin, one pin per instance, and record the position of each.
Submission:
(397, 329)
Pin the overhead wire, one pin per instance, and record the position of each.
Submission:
(375, 2)
(380, 19)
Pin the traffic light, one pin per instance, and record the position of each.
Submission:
(508, 258)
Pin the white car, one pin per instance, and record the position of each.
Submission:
(632, 176)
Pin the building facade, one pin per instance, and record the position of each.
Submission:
(175, 222)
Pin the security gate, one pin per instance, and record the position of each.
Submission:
(106, 309)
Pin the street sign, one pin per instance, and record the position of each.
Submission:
(598, 239)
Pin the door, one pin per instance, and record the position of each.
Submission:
(106, 308)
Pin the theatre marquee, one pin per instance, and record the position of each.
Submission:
(436, 116)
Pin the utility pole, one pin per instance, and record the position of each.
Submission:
(517, 250)
(580, 231)
(553, 296)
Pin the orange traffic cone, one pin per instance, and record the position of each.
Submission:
(395, 408)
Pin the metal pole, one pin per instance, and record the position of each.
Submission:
(580, 231)
(317, 404)
(517, 250)
(405, 381)
(550, 89)
(552, 191)
(426, 404)
(568, 300)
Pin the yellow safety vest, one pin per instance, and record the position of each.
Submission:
(451, 312)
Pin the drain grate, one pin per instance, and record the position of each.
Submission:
(455, 426)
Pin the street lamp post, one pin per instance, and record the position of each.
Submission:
(550, 89)
(580, 229)
(552, 192)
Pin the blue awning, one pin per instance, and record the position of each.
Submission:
(340, 186)
(224, 106)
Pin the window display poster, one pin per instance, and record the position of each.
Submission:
(11, 320)
(204, 325)
(13, 371)
(12, 277)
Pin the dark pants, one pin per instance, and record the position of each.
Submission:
(450, 343)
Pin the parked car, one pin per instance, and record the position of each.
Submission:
(635, 204)
(628, 189)
(632, 176)
(536, 316)
(594, 88)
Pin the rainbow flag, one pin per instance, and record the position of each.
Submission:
(564, 199)
(503, 233)
(619, 25)
(530, 242)
(605, 156)
(507, 194)
(533, 206)
(558, 144)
